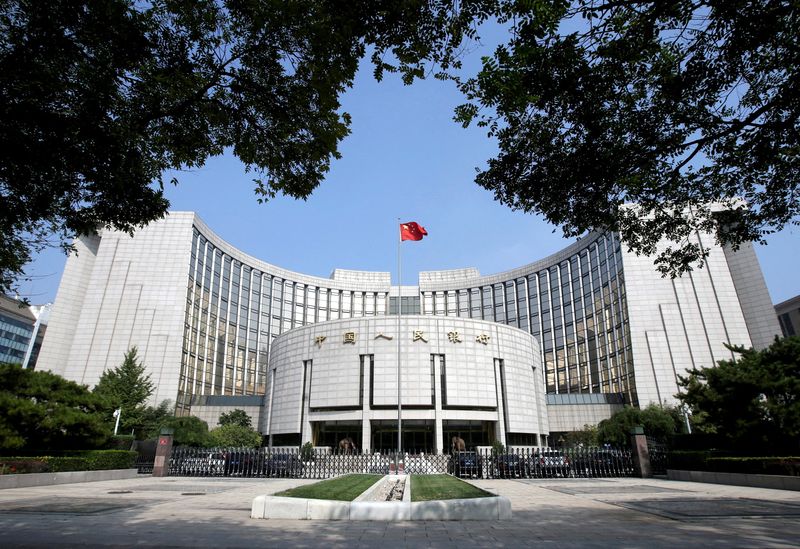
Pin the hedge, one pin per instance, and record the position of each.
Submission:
(708, 460)
(90, 460)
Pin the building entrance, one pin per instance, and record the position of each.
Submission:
(474, 433)
(417, 436)
(330, 433)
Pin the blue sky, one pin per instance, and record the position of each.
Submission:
(407, 159)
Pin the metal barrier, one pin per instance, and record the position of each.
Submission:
(658, 451)
(145, 456)
(291, 463)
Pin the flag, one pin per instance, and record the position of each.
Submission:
(412, 231)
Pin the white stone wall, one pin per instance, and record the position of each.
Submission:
(573, 417)
(329, 370)
(680, 323)
(751, 289)
(63, 323)
(131, 292)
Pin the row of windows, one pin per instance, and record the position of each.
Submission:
(576, 309)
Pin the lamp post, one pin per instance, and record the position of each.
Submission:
(117, 414)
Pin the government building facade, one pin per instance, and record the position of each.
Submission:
(519, 356)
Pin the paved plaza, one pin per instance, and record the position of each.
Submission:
(562, 513)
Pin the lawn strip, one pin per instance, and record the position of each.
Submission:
(345, 488)
(430, 487)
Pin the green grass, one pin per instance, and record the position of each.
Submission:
(345, 488)
(429, 487)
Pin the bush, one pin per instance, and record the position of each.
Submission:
(498, 448)
(92, 460)
(43, 412)
(120, 442)
(234, 435)
(188, 431)
(307, 452)
(715, 461)
(689, 460)
(658, 421)
(789, 465)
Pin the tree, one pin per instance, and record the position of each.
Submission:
(585, 437)
(99, 99)
(234, 435)
(235, 417)
(752, 400)
(128, 387)
(672, 105)
(188, 431)
(43, 413)
(152, 418)
(657, 421)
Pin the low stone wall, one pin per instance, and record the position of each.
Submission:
(69, 477)
(278, 507)
(778, 482)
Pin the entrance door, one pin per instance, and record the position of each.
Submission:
(417, 436)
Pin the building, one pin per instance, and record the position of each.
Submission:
(572, 336)
(22, 329)
(789, 316)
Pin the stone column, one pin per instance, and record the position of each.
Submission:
(641, 455)
(366, 413)
(500, 427)
(437, 391)
(366, 434)
(163, 453)
(305, 427)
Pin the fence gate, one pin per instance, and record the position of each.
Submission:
(145, 456)
(583, 462)
(658, 455)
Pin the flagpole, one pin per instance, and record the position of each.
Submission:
(399, 339)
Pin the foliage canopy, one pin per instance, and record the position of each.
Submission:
(658, 422)
(234, 435)
(752, 400)
(235, 417)
(99, 99)
(128, 387)
(671, 105)
(188, 431)
(42, 413)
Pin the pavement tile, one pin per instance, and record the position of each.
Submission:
(557, 513)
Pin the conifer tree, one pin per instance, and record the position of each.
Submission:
(127, 387)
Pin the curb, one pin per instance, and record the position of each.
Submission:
(280, 507)
(776, 482)
(29, 480)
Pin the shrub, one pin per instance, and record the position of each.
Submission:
(498, 448)
(708, 460)
(188, 431)
(92, 460)
(234, 435)
(120, 442)
(307, 452)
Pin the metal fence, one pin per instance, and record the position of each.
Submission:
(480, 463)
(658, 451)
(145, 456)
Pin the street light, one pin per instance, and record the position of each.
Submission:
(117, 414)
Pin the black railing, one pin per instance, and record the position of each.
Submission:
(480, 463)
(658, 451)
(145, 456)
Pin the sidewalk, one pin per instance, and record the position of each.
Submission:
(563, 513)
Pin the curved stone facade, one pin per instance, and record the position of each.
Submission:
(207, 317)
(476, 379)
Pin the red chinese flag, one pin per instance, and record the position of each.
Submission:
(412, 231)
